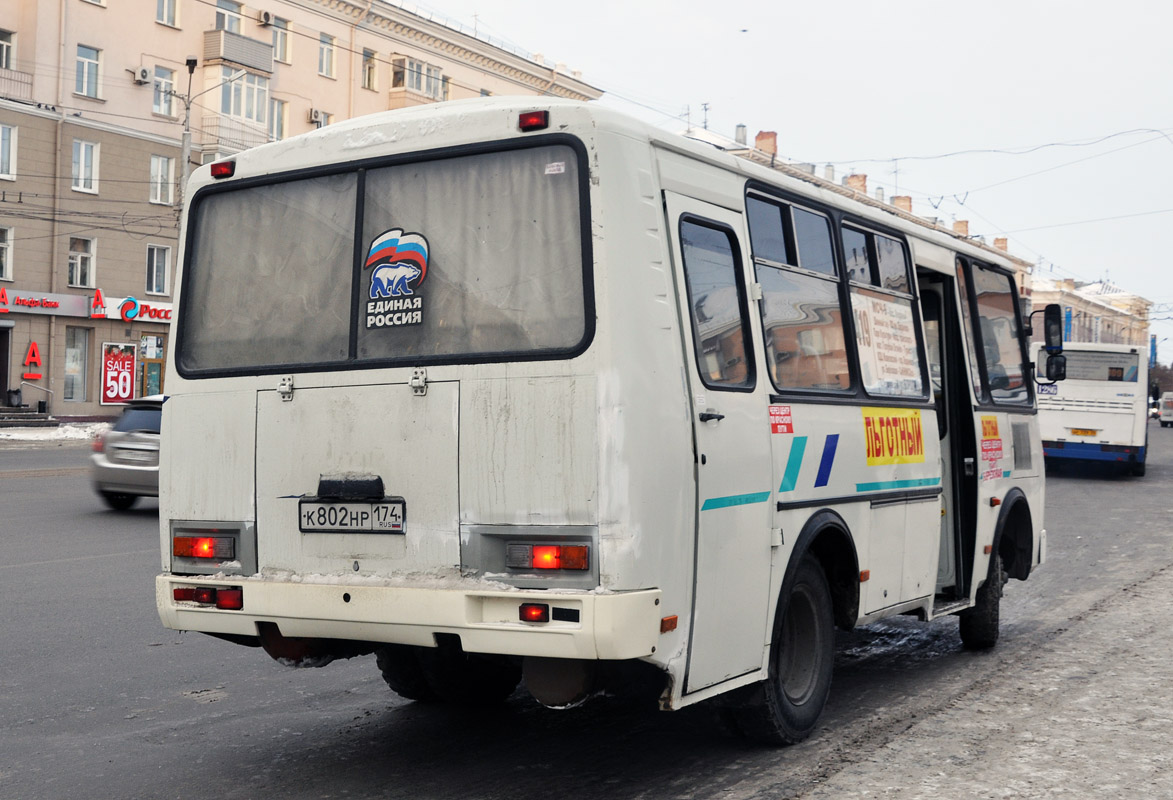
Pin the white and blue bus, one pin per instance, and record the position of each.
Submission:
(1100, 413)
(497, 389)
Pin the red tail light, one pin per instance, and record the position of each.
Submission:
(231, 599)
(219, 547)
(99, 443)
(205, 594)
(548, 556)
(223, 169)
(534, 612)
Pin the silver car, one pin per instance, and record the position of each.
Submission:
(126, 458)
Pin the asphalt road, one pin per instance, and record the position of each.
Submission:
(98, 700)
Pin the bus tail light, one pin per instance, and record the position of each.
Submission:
(218, 547)
(548, 556)
(230, 598)
(534, 612)
(223, 169)
(533, 120)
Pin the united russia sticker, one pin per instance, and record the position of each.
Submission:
(398, 263)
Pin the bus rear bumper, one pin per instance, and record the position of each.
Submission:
(582, 625)
(1090, 451)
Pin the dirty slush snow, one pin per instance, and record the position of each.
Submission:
(72, 431)
(1088, 714)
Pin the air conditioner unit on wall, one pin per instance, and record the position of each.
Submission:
(142, 75)
(316, 115)
(265, 17)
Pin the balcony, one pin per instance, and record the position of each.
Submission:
(233, 48)
(406, 98)
(16, 85)
(230, 134)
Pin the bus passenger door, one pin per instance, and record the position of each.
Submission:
(730, 422)
(949, 380)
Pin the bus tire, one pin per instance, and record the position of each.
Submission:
(979, 624)
(402, 672)
(472, 679)
(784, 708)
(1137, 468)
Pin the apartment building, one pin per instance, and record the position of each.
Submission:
(100, 102)
(1097, 312)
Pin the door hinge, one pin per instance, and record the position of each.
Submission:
(419, 381)
(285, 388)
(755, 291)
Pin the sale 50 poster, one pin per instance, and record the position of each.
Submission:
(118, 371)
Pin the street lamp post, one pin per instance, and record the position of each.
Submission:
(187, 101)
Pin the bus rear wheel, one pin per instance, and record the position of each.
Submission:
(784, 708)
(402, 672)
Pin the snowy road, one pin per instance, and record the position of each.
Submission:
(98, 700)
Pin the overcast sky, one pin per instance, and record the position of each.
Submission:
(859, 84)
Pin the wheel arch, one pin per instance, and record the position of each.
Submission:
(827, 537)
(1014, 535)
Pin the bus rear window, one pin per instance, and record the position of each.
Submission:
(476, 257)
(1088, 365)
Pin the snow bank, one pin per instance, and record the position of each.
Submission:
(72, 431)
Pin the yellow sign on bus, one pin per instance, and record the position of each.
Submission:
(893, 436)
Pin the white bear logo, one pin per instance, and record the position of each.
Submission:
(390, 280)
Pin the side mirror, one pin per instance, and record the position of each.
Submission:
(1056, 367)
(1053, 329)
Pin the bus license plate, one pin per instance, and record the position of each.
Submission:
(1083, 432)
(384, 516)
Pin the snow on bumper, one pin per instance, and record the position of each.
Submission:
(609, 627)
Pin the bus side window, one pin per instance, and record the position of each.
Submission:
(717, 303)
(802, 319)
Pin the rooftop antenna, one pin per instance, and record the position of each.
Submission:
(705, 108)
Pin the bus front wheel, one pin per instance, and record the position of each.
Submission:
(979, 624)
(784, 708)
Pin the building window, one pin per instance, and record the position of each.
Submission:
(158, 261)
(77, 345)
(8, 152)
(165, 12)
(419, 77)
(6, 46)
(85, 166)
(246, 97)
(326, 55)
(368, 69)
(88, 59)
(281, 39)
(228, 16)
(164, 102)
(5, 254)
(81, 262)
(162, 179)
(277, 113)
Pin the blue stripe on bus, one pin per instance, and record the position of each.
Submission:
(828, 459)
(911, 483)
(793, 464)
(735, 500)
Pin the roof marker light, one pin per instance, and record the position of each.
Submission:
(533, 120)
(223, 169)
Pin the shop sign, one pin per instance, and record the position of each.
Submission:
(131, 309)
(118, 367)
(17, 301)
(32, 359)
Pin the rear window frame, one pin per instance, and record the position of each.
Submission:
(359, 167)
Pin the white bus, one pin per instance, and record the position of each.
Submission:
(495, 390)
(1101, 411)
